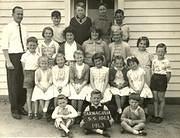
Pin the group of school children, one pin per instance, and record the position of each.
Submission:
(91, 63)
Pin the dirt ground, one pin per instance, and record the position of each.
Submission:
(9, 127)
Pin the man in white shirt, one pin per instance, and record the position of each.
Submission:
(13, 42)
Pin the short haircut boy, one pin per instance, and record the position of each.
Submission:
(61, 97)
(56, 14)
(161, 45)
(32, 39)
(81, 4)
(96, 92)
(134, 96)
(119, 11)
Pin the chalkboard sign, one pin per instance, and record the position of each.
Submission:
(97, 119)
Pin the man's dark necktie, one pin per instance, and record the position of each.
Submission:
(20, 33)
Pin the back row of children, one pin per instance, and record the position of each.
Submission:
(87, 62)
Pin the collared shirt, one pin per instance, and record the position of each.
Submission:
(124, 28)
(69, 50)
(99, 105)
(58, 33)
(44, 49)
(161, 66)
(11, 38)
(81, 20)
(137, 114)
(122, 49)
(91, 47)
(68, 111)
(30, 60)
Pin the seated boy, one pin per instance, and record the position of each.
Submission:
(133, 117)
(95, 106)
(64, 115)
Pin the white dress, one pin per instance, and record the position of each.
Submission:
(135, 77)
(60, 79)
(98, 75)
(42, 78)
(145, 61)
(119, 79)
(73, 93)
(44, 49)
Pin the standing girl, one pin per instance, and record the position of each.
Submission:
(99, 77)
(29, 62)
(119, 47)
(79, 77)
(70, 46)
(43, 90)
(119, 82)
(160, 78)
(144, 57)
(81, 24)
(136, 77)
(48, 45)
(60, 74)
(95, 45)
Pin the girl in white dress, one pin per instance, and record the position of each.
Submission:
(43, 90)
(144, 57)
(60, 74)
(79, 77)
(136, 77)
(119, 82)
(99, 77)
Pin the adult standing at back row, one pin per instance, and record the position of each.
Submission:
(13, 46)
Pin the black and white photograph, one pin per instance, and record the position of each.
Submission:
(90, 68)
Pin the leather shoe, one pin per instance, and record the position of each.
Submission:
(23, 112)
(16, 116)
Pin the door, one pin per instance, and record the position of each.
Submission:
(92, 7)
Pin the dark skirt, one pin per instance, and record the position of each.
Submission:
(158, 82)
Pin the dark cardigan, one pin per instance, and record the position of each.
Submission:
(62, 48)
(112, 75)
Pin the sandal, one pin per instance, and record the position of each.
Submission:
(30, 116)
(37, 116)
(142, 133)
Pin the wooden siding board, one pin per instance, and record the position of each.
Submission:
(152, 12)
(144, 20)
(155, 27)
(160, 4)
(31, 12)
(32, 20)
(34, 4)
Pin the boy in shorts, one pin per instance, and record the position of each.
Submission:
(133, 117)
(29, 62)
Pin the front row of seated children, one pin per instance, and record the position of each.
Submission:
(72, 82)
